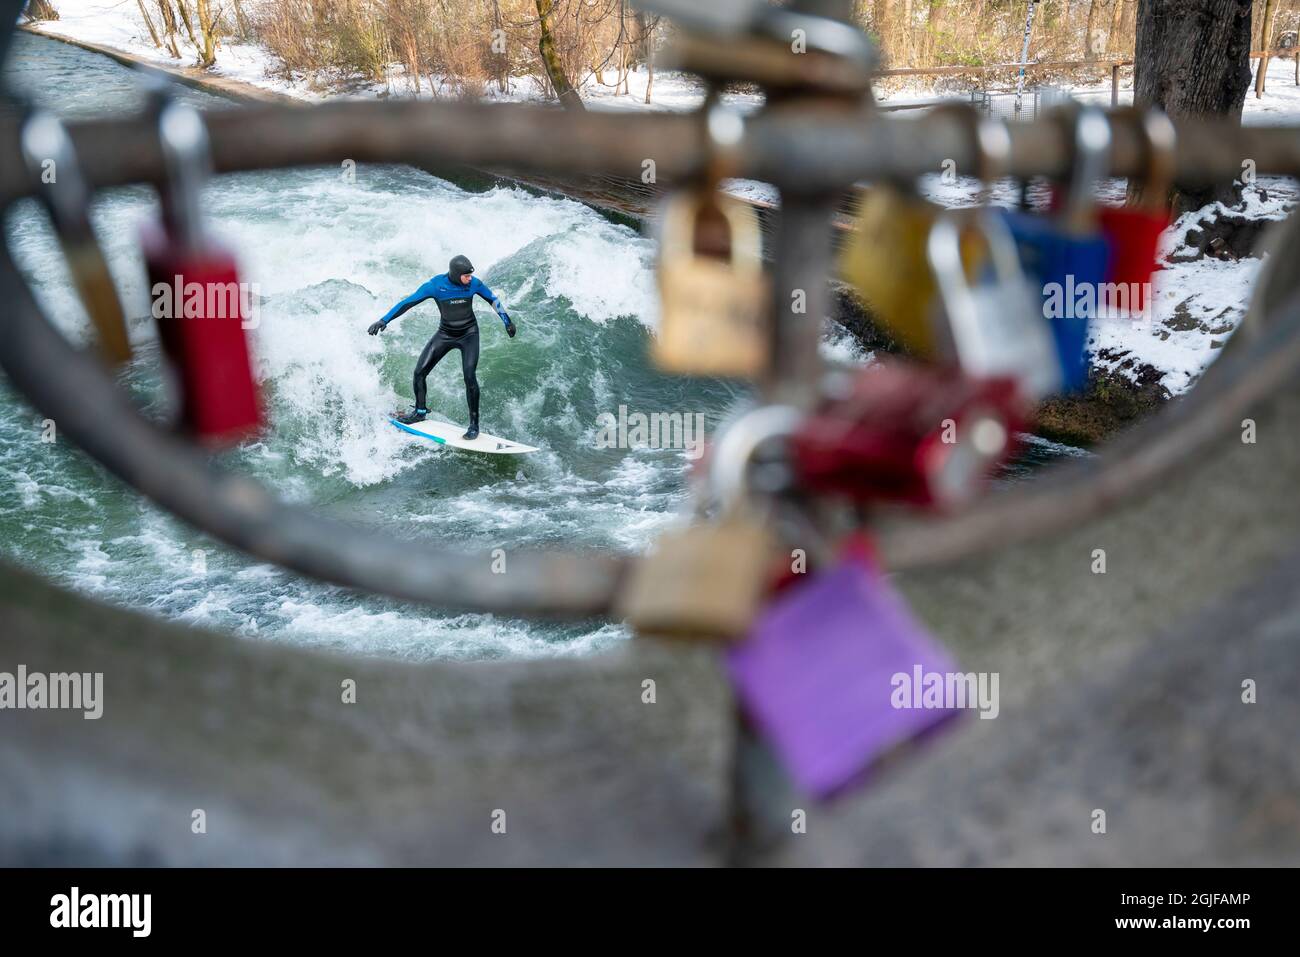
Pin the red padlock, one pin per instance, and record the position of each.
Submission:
(910, 433)
(1133, 232)
(197, 298)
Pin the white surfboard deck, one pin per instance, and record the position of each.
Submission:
(449, 434)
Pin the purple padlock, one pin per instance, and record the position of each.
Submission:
(817, 675)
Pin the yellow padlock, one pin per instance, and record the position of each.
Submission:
(714, 302)
(884, 259)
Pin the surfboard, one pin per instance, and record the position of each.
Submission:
(449, 434)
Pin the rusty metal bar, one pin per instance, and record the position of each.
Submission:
(804, 149)
(802, 260)
(997, 67)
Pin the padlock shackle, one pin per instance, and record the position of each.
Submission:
(943, 249)
(728, 476)
(1090, 161)
(677, 229)
(67, 197)
(965, 330)
(44, 139)
(1161, 141)
(186, 151)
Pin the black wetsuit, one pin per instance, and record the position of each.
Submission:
(443, 341)
(458, 329)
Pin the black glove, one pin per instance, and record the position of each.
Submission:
(376, 328)
(510, 329)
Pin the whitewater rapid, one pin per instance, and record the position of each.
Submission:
(327, 253)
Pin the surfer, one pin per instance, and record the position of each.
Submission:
(454, 293)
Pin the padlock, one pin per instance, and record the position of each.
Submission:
(825, 676)
(993, 325)
(707, 580)
(198, 300)
(1133, 232)
(51, 158)
(1066, 253)
(884, 260)
(714, 301)
(704, 581)
(910, 433)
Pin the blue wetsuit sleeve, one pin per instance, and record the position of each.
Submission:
(414, 299)
(481, 289)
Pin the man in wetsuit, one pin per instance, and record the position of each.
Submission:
(454, 293)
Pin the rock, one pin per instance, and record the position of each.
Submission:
(1221, 234)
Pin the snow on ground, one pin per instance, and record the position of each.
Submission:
(1197, 304)
(118, 24)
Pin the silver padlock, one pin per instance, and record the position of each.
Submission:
(993, 325)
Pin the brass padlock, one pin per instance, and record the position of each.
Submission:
(702, 581)
(714, 301)
(884, 259)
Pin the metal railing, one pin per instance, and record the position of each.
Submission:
(810, 142)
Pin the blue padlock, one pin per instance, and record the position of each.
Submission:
(1066, 254)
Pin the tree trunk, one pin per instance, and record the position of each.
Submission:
(208, 27)
(906, 53)
(169, 26)
(1129, 26)
(564, 91)
(189, 26)
(934, 29)
(1090, 32)
(647, 33)
(1116, 21)
(148, 22)
(1265, 44)
(501, 61)
(241, 22)
(1192, 59)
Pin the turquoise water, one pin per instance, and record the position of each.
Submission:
(328, 257)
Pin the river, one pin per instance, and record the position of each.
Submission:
(327, 256)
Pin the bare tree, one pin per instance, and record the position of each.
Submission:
(40, 10)
(169, 27)
(188, 20)
(564, 89)
(148, 22)
(241, 22)
(209, 29)
(646, 26)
